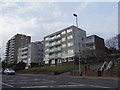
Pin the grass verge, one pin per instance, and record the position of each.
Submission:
(116, 67)
(57, 69)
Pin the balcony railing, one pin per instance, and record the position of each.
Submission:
(55, 49)
(55, 56)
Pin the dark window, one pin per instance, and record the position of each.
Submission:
(82, 38)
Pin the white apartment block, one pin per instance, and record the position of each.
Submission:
(31, 54)
(64, 46)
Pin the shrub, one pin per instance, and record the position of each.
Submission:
(56, 69)
(19, 66)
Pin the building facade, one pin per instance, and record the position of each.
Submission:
(95, 46)
(64, 46)
(31, 54)
(12, 47)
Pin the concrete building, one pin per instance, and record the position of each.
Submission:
(64, 46)
(95, 46)
(12, 47)
(31, 54)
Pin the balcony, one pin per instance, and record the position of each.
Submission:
(67, 55)
(55, 56)
(56, 37)
(55, 49)
(55, 43)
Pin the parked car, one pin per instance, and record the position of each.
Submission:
(1, 70)
(9, 71)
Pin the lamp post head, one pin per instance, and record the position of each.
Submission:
(75, 15)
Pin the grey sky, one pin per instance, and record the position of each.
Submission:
(39, 19)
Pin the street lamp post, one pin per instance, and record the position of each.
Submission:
(76, 19)
(80, 73)
(0, 56)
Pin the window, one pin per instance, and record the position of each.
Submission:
(58, 36)
(46, 38)
(70, 37)
(58, 42)
(46, 55)
(70, 44)
(53, 43)
(53, 37)
(65, 52)
(83, 45)
(46, 44)
(46, 50)
(63, 39)
(64, 32)
(69, 30)
(70, 51)
(63, 45)
(79, 45)
(82, 39)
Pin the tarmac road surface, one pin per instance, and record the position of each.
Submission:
(45, 81)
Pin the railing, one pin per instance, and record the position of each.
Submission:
(109, 66)
(55, 49)
(55, 37)
(55, 56)
(103, 66)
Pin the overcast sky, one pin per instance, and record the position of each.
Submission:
(39, 19)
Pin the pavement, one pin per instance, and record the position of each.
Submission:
(82, 77)
(46, 81)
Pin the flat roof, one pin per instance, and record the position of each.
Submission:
(62, 30)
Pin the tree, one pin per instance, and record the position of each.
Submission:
(4, 64)
(19, 66)
(113, 42)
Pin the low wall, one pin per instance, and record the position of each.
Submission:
(84, 73)
(111, 74)
(90, 73)
(95, 74)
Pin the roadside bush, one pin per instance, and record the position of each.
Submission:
(19, 66)
(116, 67)
(4, 65)
(9, 65)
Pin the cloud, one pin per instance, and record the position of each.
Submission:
(82, 6)
(34, 19)
(40, 19)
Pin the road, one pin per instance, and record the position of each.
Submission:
(45, 81)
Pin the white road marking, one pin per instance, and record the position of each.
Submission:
(6, 84)
(49, 82)
(35, 87)
(36, 79)
(77, 84)
(25, 80)
(70, 85)
(90, 85)
(18, 83)
(51, 86)
(99, 86)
